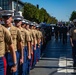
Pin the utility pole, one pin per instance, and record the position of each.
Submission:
(37, 6)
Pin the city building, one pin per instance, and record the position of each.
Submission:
(14, 5)
(11, 4)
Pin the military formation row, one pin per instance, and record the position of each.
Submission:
(20, 44)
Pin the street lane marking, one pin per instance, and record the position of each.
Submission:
(65, 65)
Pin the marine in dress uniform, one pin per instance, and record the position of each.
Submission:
(60, 32)
(33, 44)
(27, 27)
(40, 41)
(73, 42)
(16, 39)
(64, 34)
(5, 38)
(36, 45)
(26, 45)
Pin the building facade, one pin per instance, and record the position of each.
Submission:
(11, 4)
(14, 5)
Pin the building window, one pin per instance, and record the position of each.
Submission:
(4, 4)
(7, 5)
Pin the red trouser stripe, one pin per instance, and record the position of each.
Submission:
(5, 65)
(31, 60)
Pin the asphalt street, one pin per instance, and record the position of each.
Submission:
(56, 59)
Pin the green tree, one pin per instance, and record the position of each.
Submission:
(29, 11)
(41, 15)
(73, 16)
(32, 13)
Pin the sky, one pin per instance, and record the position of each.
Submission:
(61, 9)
